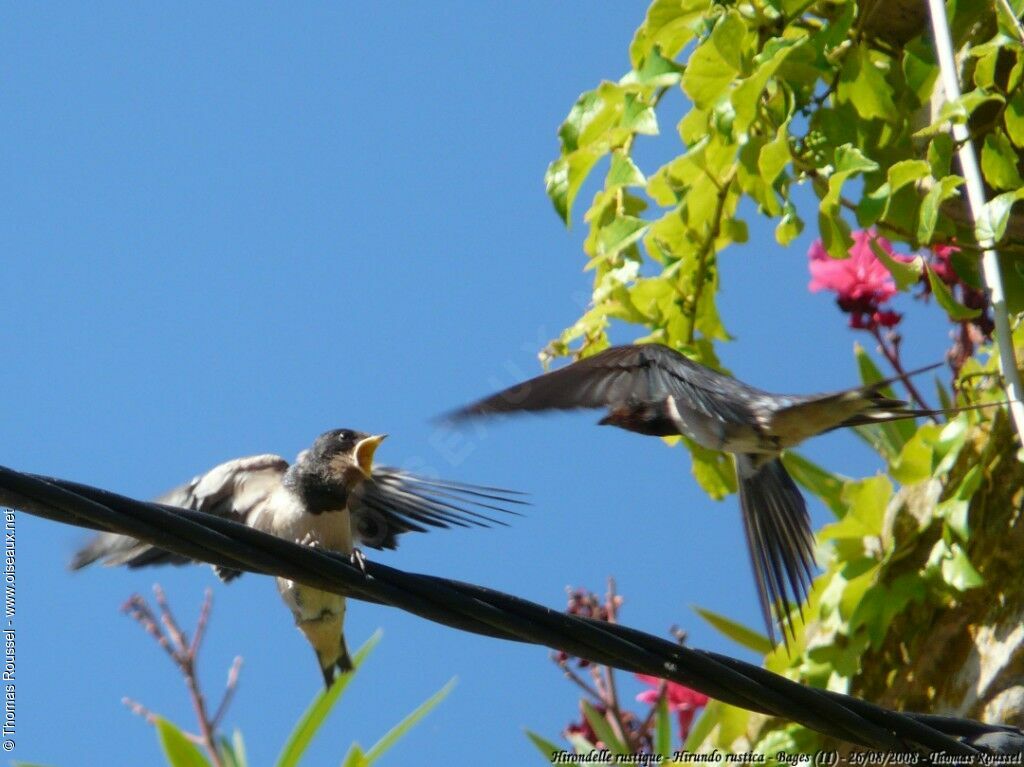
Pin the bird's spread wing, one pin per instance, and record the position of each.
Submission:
(233, 490)
(642, 373)
(779, 538)
(395, 502)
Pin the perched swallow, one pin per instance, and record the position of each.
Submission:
(652, 389)
(330, 497)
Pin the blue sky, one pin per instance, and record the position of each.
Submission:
(229, 228)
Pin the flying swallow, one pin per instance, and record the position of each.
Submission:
(652, 389)
(331, 497)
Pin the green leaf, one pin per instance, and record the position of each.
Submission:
(655, 72)
(1012, 272)
(930, 206)
(565, 176)
(623, 171)
(638, 116)
(917, 458)
(848, 161)
(835, 234)
(227, 753)
(995, 216)
(956, 311)
(893, 434)
(958, 111)
(940, 155)
(865, 501)
(955, 510)
(668, 26)
(731, 723)
(592, 117)
(355, 757)
(238, 742)
(545, 746)
(603, 729)
(1009, 23)
(714, 471)
(716, 61)
(985, 69)
(864, 85)
(999, 162)
(747, 95)
(790, 225)
(904, 273)
(824, 484)
(179, 750)
(958, 571)
(905, 172)
(775, 155)
(622, 232)
(580, 744)
(314, 717)
(662, 729)
(396, 732)
(742, 635)
(1013, 118)
(951, 440)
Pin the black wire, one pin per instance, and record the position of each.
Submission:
(492, 613)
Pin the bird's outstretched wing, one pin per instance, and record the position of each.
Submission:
(395, 502)
(233, 490)
(391, 503)
(641, 373)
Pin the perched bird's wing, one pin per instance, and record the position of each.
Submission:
(780, 540)
(393, 502)
(641, 373)
(233, 490)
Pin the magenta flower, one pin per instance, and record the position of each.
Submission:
(942, 264)
(584, 728)
(681, 699)
(861, 282)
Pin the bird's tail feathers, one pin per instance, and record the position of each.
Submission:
(343, 664)
(874, 393)
(902, 413)
(779, 540)
(885, 382)
(885, 408)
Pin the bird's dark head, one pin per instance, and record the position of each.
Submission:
(343, 449)
(644, 418)
(324, 475)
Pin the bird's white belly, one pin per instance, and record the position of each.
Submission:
(309, 604)
(284, 516)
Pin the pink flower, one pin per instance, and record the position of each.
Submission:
(583, 728)
(861, 282)
(942, 265)
(861, 275)
(681, 699)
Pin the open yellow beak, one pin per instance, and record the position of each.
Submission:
(365, 449)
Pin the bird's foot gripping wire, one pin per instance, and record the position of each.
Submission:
(359, 560)
(311, 541)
